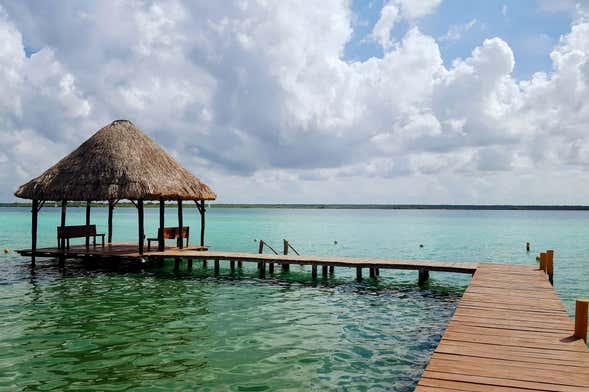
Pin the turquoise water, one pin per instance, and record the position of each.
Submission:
(128, 327)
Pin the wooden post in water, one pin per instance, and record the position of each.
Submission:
(160, 233)
(372, 272)
(176, 264)
(205, 264)
(180, 225)
(270, 268)
(527, 246)
(260, 251)
(377, 271)
(111, 206)
(324, 271)
(189, 264)
(331, 269)
(581, 315)
(423, 276)
(217, 267)
(285, 266)
(141, 232)
(358, 273)
(239, 264)
(262, 269)
(35, 212)
(314, 271)
(87, 223)
(543, 262)
(232, 265)
(550, 265)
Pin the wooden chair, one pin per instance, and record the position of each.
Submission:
(83, 231)
(170, 233)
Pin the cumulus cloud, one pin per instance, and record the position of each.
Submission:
(257, 99)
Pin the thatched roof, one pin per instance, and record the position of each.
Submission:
(117, 162)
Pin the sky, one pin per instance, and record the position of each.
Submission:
(337, 101)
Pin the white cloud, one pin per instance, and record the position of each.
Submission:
(456, 32)
(256, 98)
(396, 10)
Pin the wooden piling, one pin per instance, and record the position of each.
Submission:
(285, 266)
(358, 273)
(377, 271)
(205, 263)
(550, 265)
(372, 272)
(527, 246)
(324, 271)
(232, 266)
(270, 268)
(217, 268)
(543, 262)
(239, 264)
(581, 315)
(176, 264)
(423, 277)
(331, 269)
(262, 266)
(189, 264)
(314, 271)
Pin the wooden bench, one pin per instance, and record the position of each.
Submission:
(170, 233)
(83, 231)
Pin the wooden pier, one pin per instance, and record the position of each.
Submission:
(510, 332)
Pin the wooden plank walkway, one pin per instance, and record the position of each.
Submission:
(510, 332)
(129, 250)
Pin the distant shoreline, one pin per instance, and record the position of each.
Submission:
(484, 207)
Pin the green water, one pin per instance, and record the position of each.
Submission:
(142, 327)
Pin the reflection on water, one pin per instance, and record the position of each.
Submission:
(90, 327)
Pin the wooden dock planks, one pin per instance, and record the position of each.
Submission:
(129, 250)
(510, 332)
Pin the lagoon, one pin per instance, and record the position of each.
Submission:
(130, 327)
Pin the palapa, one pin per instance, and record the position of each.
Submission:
(117, 162)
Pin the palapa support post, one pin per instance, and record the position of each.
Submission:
(201, 209)
(324, 271)
(285, 266)
(62, 244)
(111, 206)
(141, 231)
(314, 271)
(358, 273)
(423, 277)
(581, 315)
(217, 267)
(180, 225)
(550, 265)
(543, 261)
(87, 223)
(160, 233)
(35, 211)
